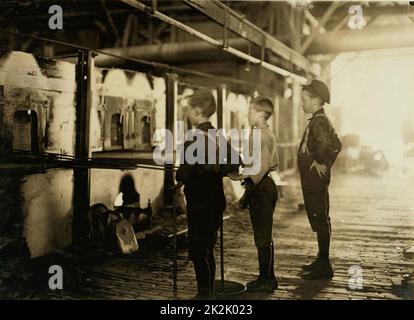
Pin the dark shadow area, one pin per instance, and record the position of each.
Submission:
(86, 270)
(307, 290)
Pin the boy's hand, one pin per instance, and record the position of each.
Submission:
(235, 176)
(321, 169)
(177, 186)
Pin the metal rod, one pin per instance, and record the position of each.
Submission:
(136, 4)
(73, 161)
(221, 252)
(175, 267)
(221, 94)
(170, 192)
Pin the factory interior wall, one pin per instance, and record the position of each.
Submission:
(48, 208)
(48, 89)
(149, 184)
(45, 88)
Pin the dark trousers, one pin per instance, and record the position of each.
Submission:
(316, 198)
(203, 224)
(262, 203)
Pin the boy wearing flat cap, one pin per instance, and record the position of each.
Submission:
(318, 150)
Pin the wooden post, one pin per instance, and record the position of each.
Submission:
(296, 88)
(82, 175)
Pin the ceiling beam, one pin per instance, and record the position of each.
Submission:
(289, 20)
(111, 21)
(314, 22)
(339, 25)
(326, 16)
(68, 15)
(218, 44)
(216, 10)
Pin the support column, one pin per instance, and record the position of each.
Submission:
(84, 70)
(296, 87)
(171, 120)
(221, 97)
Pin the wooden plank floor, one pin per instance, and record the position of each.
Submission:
(373, 220)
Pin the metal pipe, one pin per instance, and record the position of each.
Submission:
(214, 42)
(365, 39)
(182, 52)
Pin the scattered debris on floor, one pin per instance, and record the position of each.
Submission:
(403, 286)
(408, 252)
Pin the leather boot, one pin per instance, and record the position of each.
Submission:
(312, 265)
(323, 270)
(266, 282)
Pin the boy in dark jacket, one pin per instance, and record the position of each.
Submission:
(203, 189)
(317, 153)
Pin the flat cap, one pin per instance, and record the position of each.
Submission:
(319, 89)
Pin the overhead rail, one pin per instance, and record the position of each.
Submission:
(48, 160)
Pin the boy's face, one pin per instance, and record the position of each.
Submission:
(310, 103)
(192, 114)
(255, 116)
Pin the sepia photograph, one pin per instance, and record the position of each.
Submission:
(223, 151)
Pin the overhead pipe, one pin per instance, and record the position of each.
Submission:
(365, 39)
(180, 52)
(155, 65)
(214, 42)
